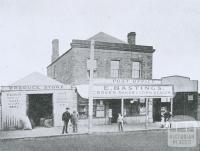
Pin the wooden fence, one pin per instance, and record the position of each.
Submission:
(10, 123)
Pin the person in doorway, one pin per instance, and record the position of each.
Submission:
(110, 116)
(66, 116)
(167, 116)
(120, 122)
(74, 121)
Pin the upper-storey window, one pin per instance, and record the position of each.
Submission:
(114, 68)
(136, 69)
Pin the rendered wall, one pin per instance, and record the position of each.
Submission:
(14, 106)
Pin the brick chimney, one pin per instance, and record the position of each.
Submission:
(55, 50)
(131, 38)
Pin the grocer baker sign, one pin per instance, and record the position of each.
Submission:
(132, 91)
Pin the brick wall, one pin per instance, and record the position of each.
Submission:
(103, 63)
(71, 68)
(61, 69)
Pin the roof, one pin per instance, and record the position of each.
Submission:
(106, 42)
(36, 78)
(181, 83)
(103, 37)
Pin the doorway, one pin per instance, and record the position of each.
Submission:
(115, 105)
(39, 106)
(156, 110)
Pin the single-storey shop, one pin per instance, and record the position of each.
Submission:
(139, 99)
(132, 98)
(36, 97)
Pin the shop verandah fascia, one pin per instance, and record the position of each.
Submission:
(139, 101)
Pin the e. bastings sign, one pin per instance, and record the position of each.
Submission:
(132, 91)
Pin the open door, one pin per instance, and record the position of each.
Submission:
(115, 105)
(39, 106)
(156, 110)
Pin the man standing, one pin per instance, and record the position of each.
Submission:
(74, 120)
(120, 122)
(110, 116)
(65, 118)
(166, 115)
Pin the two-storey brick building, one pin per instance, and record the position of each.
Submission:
(115, 60)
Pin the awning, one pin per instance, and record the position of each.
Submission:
(83, 90)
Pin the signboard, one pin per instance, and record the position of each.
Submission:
(190, 98)
(110, 91)
(33, 87)
(99, 81)
(91, 63)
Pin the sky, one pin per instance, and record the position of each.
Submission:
(27, 28)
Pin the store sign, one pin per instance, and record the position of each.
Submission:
(13, 100)
(110, 91)
(190, 98)
(127, 81)
(32, 87)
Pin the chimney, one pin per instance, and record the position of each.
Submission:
(55, 50)
(131, 38)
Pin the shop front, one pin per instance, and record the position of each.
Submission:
(137, 100)
(36, 99)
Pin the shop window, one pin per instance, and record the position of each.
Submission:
(83, 111)
(136, 69)
(114, 68)
(135, 107)
(131, 107)
(142, 107)
(100, 109)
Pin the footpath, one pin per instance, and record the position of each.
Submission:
(39, 132)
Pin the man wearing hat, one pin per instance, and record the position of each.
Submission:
(65, 118)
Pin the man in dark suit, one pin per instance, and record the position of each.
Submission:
(167, 115)
(65, 118)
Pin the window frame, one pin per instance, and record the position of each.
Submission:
(134, 73)
(114, 70)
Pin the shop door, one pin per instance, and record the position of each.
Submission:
(115, 105)
(39, 106)
(156, 109)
